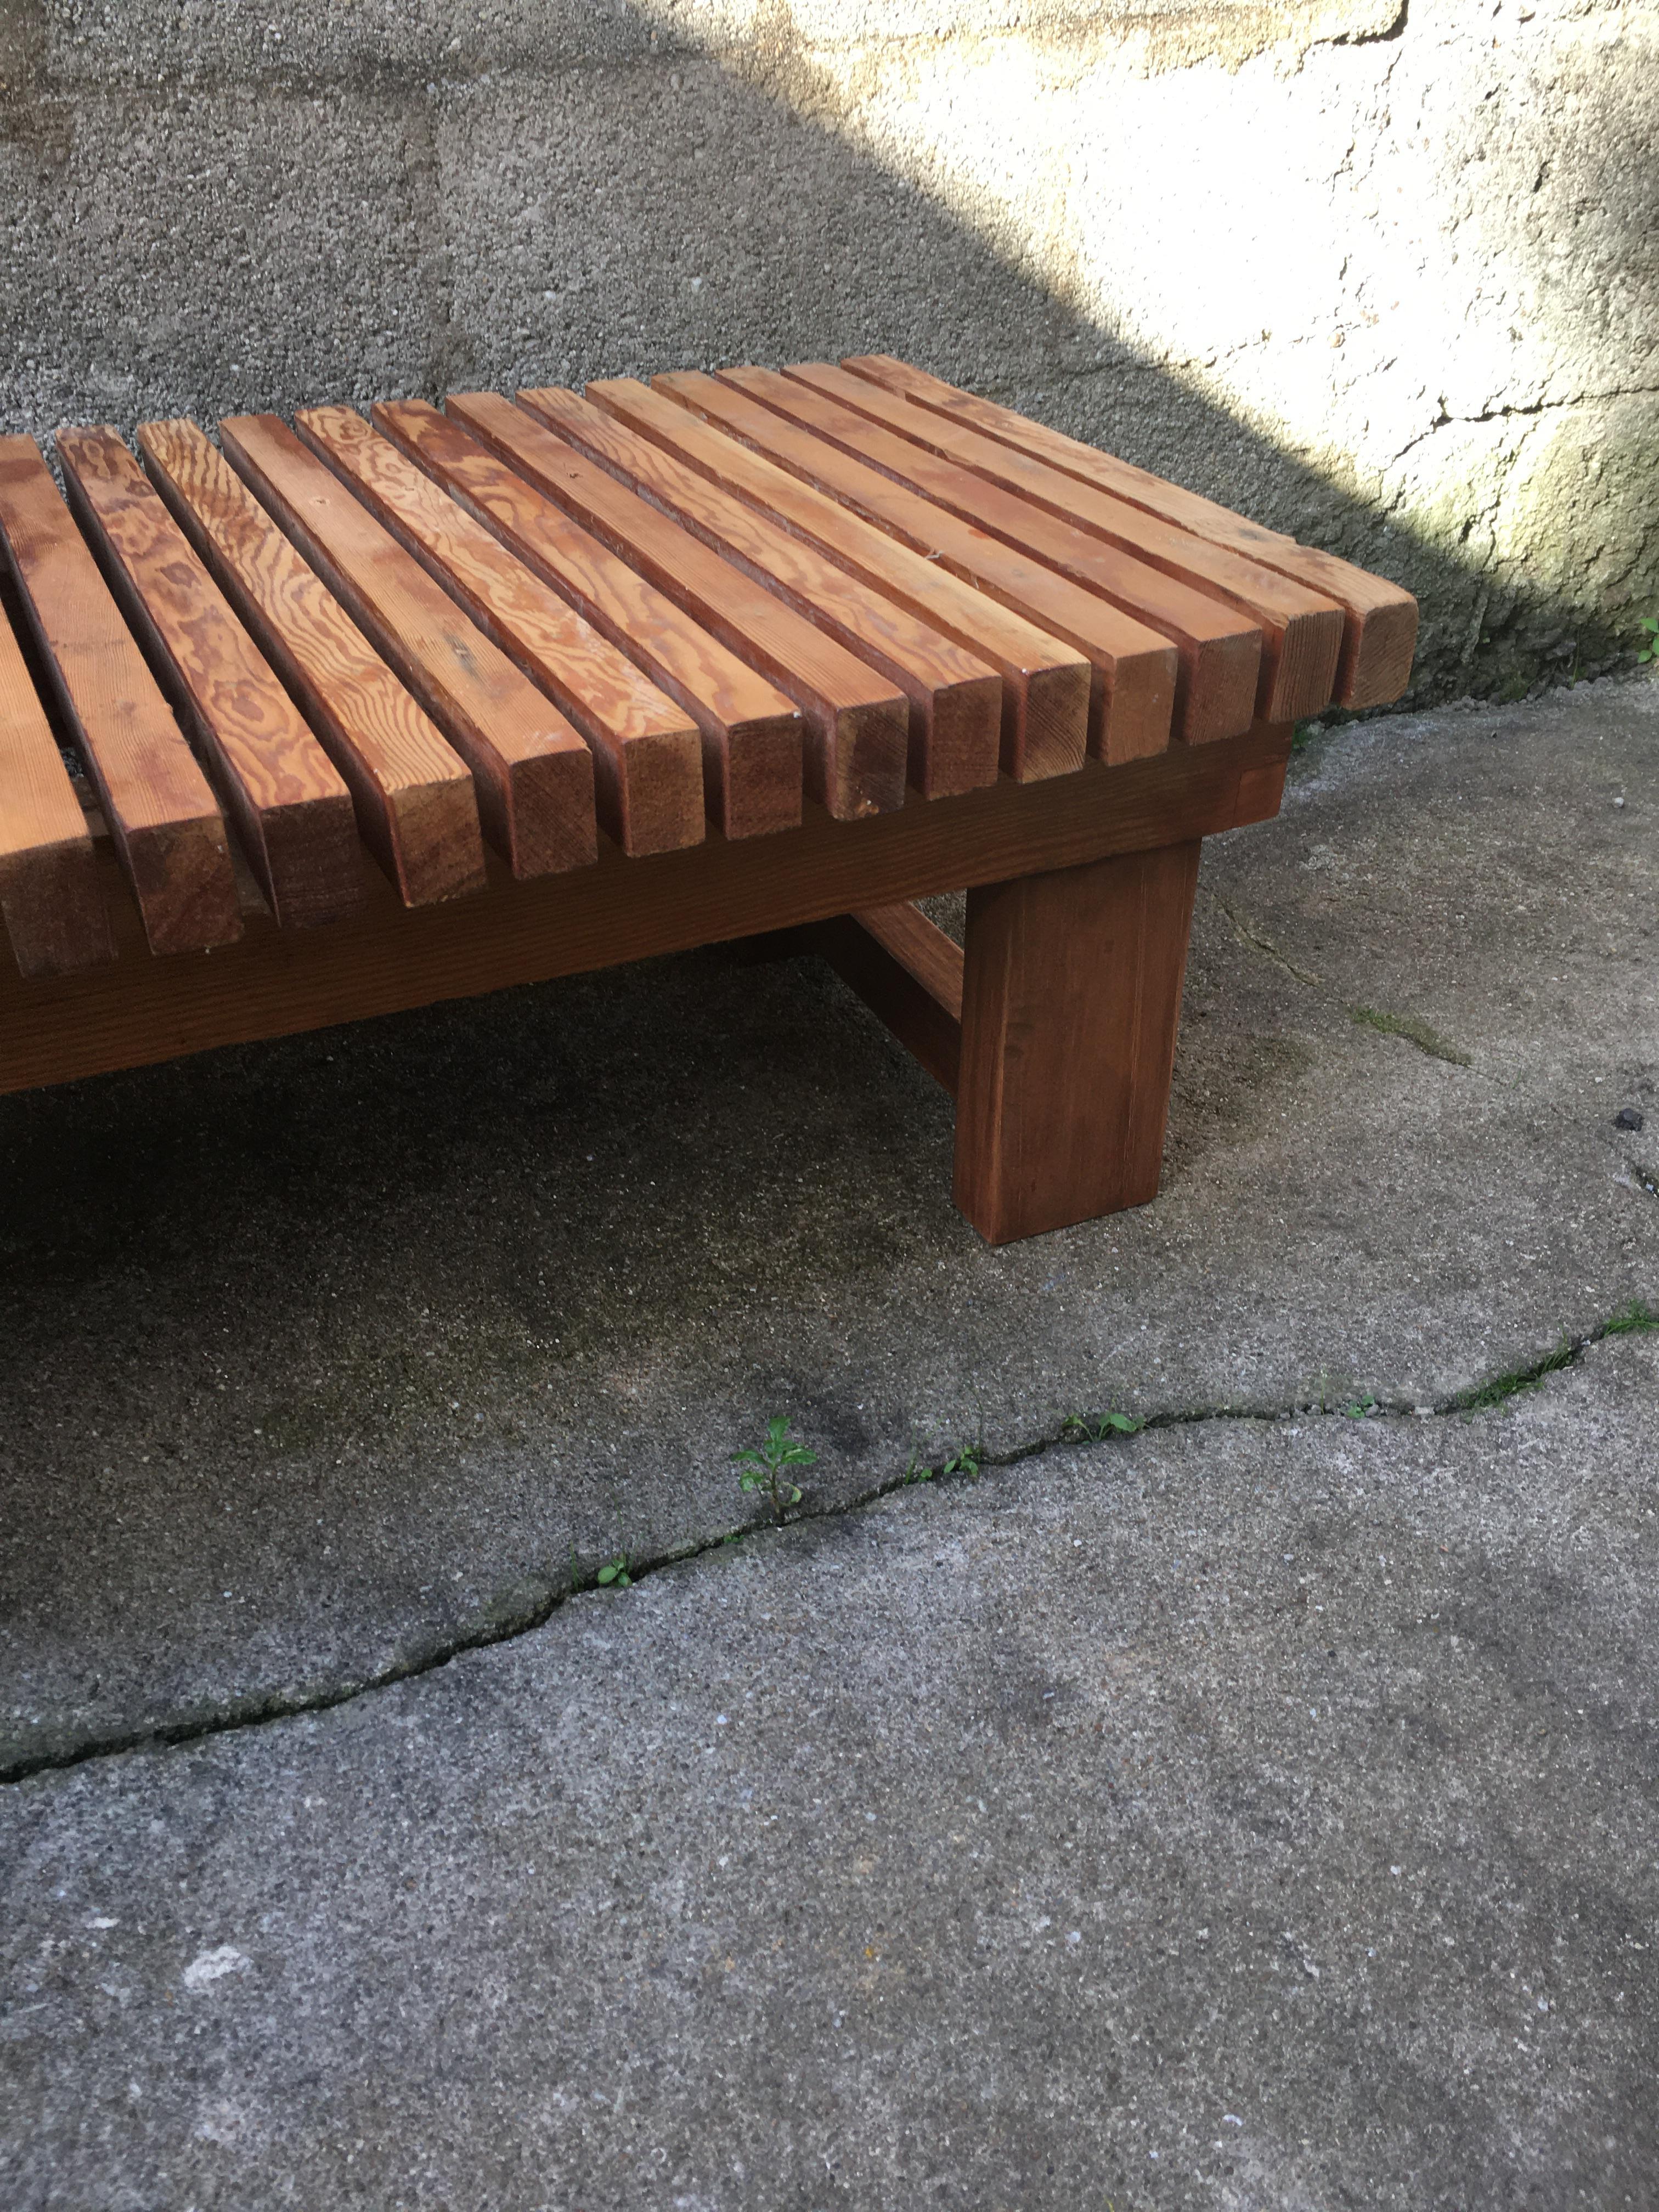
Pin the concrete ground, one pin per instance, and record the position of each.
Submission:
(1255, 1811)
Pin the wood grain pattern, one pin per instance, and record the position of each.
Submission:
(291, 809)
(1133, 671)
(133, 1012)
(1380, 618)
(920, 946)
(51, 896)
(907, 972)
(414, 799)
(956, 697)
(857, 724)
(751, 734)
(1223, 650)
(648, 753)
(532, 774)
(1070, 1002)
(161, 810)
(1045, 682)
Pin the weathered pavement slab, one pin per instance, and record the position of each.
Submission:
(325, 1358)
(1255, 1814)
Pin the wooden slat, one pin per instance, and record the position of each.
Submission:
(291, 809)
(647, 752)
(51, 897)
(161, 810)
(1056, 515)
(857, 723)
(533, 776)
(1221, 648)
(1134, 670)
(956, 698)
(1380, 624)
(414, 798)
(751, 734)
(55, 1029)
(907, 972)
(1045, 683)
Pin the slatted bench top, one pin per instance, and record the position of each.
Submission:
(375, 708)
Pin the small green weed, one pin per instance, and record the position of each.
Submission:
(1358, 1409)
(1515, 1380)
(614, 1574)
(1636, 1316)
(965, 1462)
(1095, 1428)
(763, 1466)
(1649, 650)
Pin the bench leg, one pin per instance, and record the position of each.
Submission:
(1071, 998)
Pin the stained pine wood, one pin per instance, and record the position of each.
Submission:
(1045, 682)
(532, 774)
(414, 799)
(135, 1011)
(857, 723)
(161, 813)
(921, 947)
(1380, 618)
(956, 697)
(908, 973)
(291, 808)
(752, 733)
(1301, 629)
(1221, 648)
(52, 898)
(648, 753)
(1070, 1002)
(1133, 671)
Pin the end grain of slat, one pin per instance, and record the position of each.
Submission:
(1133, 671)
(290, 807)
(955, 695)
(1221, 646)
(1045, 682)
(415, 808)
(161, 813)
(750, 733)
(858, 724)
(1379, 617)
(647, 754)
(533, 774)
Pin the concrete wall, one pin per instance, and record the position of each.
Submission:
(1381, 271)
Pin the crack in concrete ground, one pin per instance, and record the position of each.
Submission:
(1076, 1432)
(1411, 1027)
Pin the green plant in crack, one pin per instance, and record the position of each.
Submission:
(1095, 1428)
(614, 1574)
(965, 1460)
(765, 1466)
(1649, 645)
(1515, 1380)
(1630, 1319)
(1360, 1408)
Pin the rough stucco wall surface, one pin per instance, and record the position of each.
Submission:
(1383, 272)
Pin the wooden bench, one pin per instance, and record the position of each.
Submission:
(368, 714)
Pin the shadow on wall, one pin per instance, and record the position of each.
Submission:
(217, 208)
